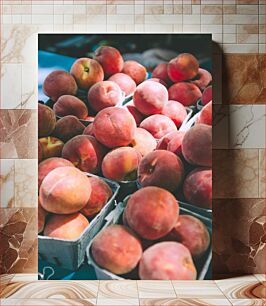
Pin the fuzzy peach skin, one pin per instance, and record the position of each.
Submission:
(50, 164)
(206, 95)
(205, 115)
(41, 217)
(143, 142)
(183, 67)
(88, 130)
(87, 72)
(85, 153)
(160, 72)
(121, 164)
(125, 82)
(192, 233)
(175, 111)
(69, 227)
(150, 97)
(197, 187)
(110, 59)
(51, 147)
(158, 125)
(65, 190)
(46, 120)
(116, 249)
(138, 116)
(59, 83)
(167, 261)
(100, 194)
(104, 94)
(152, 212)
(163, 142)
(203, 79)
(114, 127)
(70, 105)
(197, 145)
(158, 81)
(172, 142)
(186, 93)
(39, 152)
(136, 71)
(162, 169)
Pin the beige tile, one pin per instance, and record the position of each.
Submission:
(29, 86)
(211, 19)
(191, 19)
(25, 277)
(247, 9)
(248, 302)
(240, 19)
(229, 9)
(7, 183)
(155, 289)
(220, 127)
(246, 28)
(229, 28)
(211, 9)
(240, 48)
(260, 277)
(119, 290)
(247, 38)
(48, 302)
(153, 9)
(117, 302)
(183, 302)
(262, 177)
(229, 38)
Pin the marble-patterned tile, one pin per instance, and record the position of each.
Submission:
(25, 277)
(247, 126)
(155, 289)
(5, 279)
(262, 171)
(118, 302)
(49, 302)
(260, 277)
(29, 90)
(239, 237)
(18, 233)
(18, 130)
(248, 302)
(217, 74)
(220, 124)
(119, 290)
(7, 183)
(184, 302)
(235, 173)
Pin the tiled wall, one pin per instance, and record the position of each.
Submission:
(238, 28)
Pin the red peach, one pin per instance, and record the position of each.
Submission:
(158, 81)
(138, 116)
(203, 79)
(175, 111)
(143, 142)
(39, 152)
(46, 120)
(163, 142)
(160, 72)
(135, 70)
(51, 147)
(70, 105)
(41, 217)
(88, 130)
(186, 93)
(175, 143)
(206, 95)
(205, 115)
(125, 82)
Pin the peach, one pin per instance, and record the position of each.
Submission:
(50, 164)
(116, 249)
(41, 217)
(186, 93)
(114, 127)
(163, 142)
(183, 67)
(68, 127)
(85, 152)
(197, 145)
(88, 130)
(125, 82)
(70, 105)
(150, 97)
(192, 233)
(158, 125)
(175, 143)
(197, 187)
(46, 120)
(65, 190)
(205, 115)
(138, 116)
(104, 94)
(206, 95)
(59, 83)
(87, 72)
(110, 59)
(39, 152)
(121, 164)
(167, 261)
(175, 111)
(143, 142)
(158, 81)
(161, 168)
(68, 227)
(51, 147)
(203, 79)
(152, 212)
(135, 70)
(160, 72)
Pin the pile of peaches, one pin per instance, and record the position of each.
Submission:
(137, 141)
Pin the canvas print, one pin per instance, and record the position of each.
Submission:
(125, 156)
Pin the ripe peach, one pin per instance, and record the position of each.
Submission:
(116, 249)
(175, 111)
(46, 120)
(39, 152)
(85, 152)
(135, 70)
(152, 212)
(121, 164)
(185, 93)
(69, 227)
(197, 145)
(138, 116)
(197, 187)
(175, 143)
(150, 97)
(88, 130)
(100, 194)
(87, 72)
(114, 127)
(59, 83)
(183, 67)
(104, 94)
(65, 190)
(167, 261)
(160, 72)
(203, 79)
(51, 147)
(68, 127)
(41, 217)
(206, 95)
(125, 82)
(70, 105)
(163, 142)
(143, 142)
(110, 59)
(192, 233)
(205, 115)
(50, 164)
(158, 125)
(161, 168)
(158, 81)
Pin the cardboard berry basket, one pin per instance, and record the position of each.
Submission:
(203, 264)
(70, 254)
